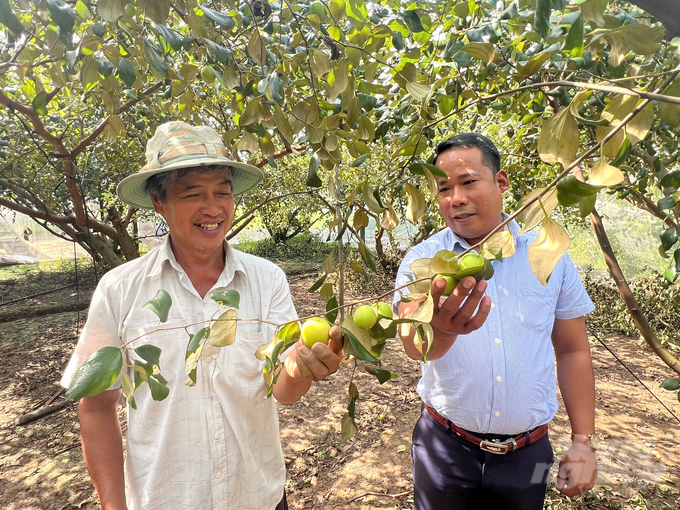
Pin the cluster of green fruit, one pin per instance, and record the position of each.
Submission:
(317, 329)
(470, 264)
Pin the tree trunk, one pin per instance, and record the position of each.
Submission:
(628, 298)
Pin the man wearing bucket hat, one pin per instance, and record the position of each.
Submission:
(215, 445)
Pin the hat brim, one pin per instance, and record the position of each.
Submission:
(131, 189)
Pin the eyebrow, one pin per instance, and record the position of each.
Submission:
(460, 177)
(193, 186)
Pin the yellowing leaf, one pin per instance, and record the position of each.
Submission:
(533, 214)
(420, 268)
(579, 98)
(371, 201)
(319, 62)
(603, 174)
(559, 139)
(443, 262)
(257, 49)
(360, 219)
(223, 331)
(425, 311)
(547, 249)
(192, 360)
(419, 91)
(500, 245)
(617, 109)
(416, 204)
(639, 126)
(431, 182)
(636, 37)
(389, 220)
(329, 264)
(670, 113)
(481, 51)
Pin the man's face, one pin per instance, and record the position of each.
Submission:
(199, 209)
(471, 199)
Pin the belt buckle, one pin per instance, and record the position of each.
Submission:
(497, 447)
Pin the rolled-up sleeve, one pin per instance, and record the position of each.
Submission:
(573, 300)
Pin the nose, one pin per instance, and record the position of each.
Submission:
(457, 197)
(212, 206)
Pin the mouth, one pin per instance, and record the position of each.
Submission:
(462, 216)
(209, 226)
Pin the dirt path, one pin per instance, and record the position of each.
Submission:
(41, 464)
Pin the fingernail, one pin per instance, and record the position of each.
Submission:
(304, 350)
(319, 350)
(467, 283)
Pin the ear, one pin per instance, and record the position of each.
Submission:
(157, 205)
(502, 181)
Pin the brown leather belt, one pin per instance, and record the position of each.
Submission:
(491, 445)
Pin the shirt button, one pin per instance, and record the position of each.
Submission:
(208, 359)
(497, 414)
(218, 475)
(493, 305)
(497, 340)
(499, 378)
(217, 435)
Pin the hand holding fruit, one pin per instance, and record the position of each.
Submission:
(317, 354)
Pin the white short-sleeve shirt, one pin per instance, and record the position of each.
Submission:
(215, 445)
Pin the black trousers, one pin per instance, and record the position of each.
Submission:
(450, 473)
(283, 505)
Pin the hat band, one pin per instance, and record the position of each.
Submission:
(211, 150)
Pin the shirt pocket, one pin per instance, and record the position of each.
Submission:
(170, 338)
(537, 308)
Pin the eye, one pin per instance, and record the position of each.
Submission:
(469, 182)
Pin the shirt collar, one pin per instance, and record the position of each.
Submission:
(462, 244)
(232, 262)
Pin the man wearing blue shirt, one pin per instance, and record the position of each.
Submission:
(488, 387)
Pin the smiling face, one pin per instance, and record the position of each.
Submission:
(471, 199)
(198, 208)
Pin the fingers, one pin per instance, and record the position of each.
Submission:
(577, 473)
(457, 313)
(438, 287)
(316, 363)
(337, 341)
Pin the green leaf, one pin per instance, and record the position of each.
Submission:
(332, 304)
(219, 18)
(227, 297)
(160, 305)
(419, 91)
(381, 374)
(317, 284)
(126, 72)
(38, 103)
(671, 384)
(367, 101)
(149, 353)
(159, 390)
(367, 257)
(412, 21)
(220, 53)
(111, 10)
(358, 161)
(155, 58)
(585, 206)
(62, 14)
(573, 44)
(97, 374)
(354, 346)
(542, 17)
(670, 113)
(666, 203)
(668, 238)
(170, 40)
(156, 10)
(9, 19)
(195, 340)
(419, 169)
(223, 330)
(313, 180)
(671, 179)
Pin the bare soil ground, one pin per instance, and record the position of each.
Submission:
(42, 467)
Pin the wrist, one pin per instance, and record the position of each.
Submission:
(591, 440)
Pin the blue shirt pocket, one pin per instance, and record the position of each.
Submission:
(537, 308)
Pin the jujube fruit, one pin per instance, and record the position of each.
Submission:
(315, 330)
(365, 317)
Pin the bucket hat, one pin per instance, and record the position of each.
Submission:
(179, 145)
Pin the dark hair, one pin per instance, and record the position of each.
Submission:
(157, 185)
(490, 154)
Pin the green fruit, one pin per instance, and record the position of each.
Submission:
(130, 9)
(473, 264)
(383, 309)
(208, 74)
(365, 317)
(450, 283)
(315, 330)
(676, 197)
(317, 8)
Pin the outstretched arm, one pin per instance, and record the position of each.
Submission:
(578, 468)
(103, 447)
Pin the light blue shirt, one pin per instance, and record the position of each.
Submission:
(500, 379)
